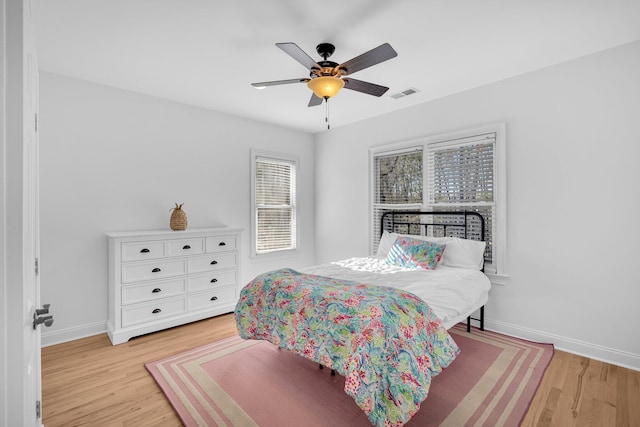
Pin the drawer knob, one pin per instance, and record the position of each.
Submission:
(156, 270)
(214, 262)
(156, 290)
(214, 298)
(214, 280)
(144, 251)
(222, 244)
(157, 310)
(186, 247)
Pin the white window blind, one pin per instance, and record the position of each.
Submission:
(397, 184)
(461, 178)
(275, 204)
(462, 173)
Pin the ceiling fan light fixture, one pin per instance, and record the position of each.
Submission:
(325, 86)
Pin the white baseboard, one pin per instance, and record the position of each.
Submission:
(570, 345)
(75, 333)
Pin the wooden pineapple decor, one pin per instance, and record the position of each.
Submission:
(178, 221)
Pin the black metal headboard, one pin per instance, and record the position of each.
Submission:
(466, 225)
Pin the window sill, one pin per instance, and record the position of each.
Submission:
(284, 253)
(498, 279)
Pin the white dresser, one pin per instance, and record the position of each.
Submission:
(161, 279)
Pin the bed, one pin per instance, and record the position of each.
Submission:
(380, 321)
(455, 290)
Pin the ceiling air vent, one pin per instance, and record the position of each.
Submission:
(405, 92)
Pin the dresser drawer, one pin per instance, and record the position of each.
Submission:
(138, 251)
(152, 291)
(212, 299)
(221, 243)
(212, 262)
(153, 311)
(139, 271)
(212, 280)
(185, 247)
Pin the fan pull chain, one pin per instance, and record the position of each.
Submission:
(326, 117)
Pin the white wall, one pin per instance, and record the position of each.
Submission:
(114, 160)
(573, 147)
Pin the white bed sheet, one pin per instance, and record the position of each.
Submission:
(452, 293)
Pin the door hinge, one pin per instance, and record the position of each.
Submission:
(37, 266)
(38, 409)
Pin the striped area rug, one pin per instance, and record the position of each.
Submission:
(241, 383)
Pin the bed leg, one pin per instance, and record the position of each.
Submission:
(321, 366)
(479, 319)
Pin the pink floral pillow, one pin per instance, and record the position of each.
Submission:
(414, 253)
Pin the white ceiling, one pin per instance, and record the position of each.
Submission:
(207, 52)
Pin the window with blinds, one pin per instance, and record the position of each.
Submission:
(462, 171)
(460, 176)
(397, 184)
(274, 201)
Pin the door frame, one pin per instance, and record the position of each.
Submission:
(16, 248)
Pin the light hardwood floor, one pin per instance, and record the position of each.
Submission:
(90, 382)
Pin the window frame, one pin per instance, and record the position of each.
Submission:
(499, 268)
(292, 160)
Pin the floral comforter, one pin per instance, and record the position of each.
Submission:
(387, 343)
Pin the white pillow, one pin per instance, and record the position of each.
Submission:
(386, 242)
(461, 253)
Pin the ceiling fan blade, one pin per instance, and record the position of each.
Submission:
(279, 82)
(298, 54)
(364, 87)
(315, 100)
(367, 59)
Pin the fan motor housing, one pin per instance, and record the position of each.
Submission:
(328, 69)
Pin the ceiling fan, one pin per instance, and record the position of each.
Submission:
(326, 78)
